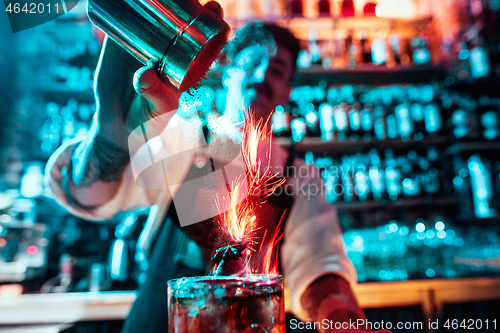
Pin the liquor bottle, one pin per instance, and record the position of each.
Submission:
(377, 176)
(361, 178)
(347, 179)
(432, 117)
(347, 8)
(421, 54)
(365, 47)
(431, 183)
(411, 178)
(298, 129)
(379, 125)
(296, 8)
(324, 7)
(367, 122)
(339, 51)
(333, 185)
(393, 176)
(280, 121)
(462, 186)
(313, 47)
(404, 122)
(326, 121)
(341, 122)
(312, 120)
(459, 121)
(395, 48)
(379, 50)
(479, 62)
(490, 120)
(351, 50)
(417, 116)
(354, 116)
(481, 186)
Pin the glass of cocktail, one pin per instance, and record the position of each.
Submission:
(226, 304)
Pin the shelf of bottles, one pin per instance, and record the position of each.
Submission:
(416, 165)
(430, 247)
(62, 55)
(355, 39)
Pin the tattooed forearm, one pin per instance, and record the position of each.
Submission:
(98, 159)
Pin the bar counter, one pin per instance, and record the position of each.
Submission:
(431, 295)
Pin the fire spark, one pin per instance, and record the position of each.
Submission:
(239, 223)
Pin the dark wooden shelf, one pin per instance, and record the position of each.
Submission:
(368, 74)
(315, 144)
(398, 204)
(362, 74)
(477, 146)
(478, 221)
(61, 93)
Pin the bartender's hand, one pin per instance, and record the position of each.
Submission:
(331, 298)
(126, 97)
(119, 109)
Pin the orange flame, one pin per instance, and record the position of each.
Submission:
(267, 262)
(240, 221)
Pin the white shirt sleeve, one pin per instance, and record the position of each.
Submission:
(313, 244)
(129, 195)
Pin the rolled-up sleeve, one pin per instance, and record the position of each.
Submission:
(176, 137)
(127, 197)
(313, 244)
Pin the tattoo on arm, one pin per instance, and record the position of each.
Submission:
(98, 159)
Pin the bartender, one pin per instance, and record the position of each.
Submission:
(93, 178)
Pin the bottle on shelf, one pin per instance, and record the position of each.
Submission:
(403, 120)
(367, 123)
(361, 178)
(339, 50)
(490, 122)
(353, 112)
(432, 185)
(411, 177)
(395, 46)
(324, 8)
(482, 191)
(312, 120)
(379, 125)
(313, 47)
(347, 8)
(298, 128)
(347, 179)
(420, 49)
(393, 176)
(296, 8)
(377, 176)
(333, 186)
(352, 51)
(341, 122)
(281, 121)
(459, 122)
(365, 47)
(326, 121)
(379, 53)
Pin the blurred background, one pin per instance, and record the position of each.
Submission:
(397, 102)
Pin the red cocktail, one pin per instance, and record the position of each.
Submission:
(226, 304)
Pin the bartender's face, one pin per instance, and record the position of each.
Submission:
(260, 78)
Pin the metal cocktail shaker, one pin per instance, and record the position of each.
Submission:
(181, 37)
